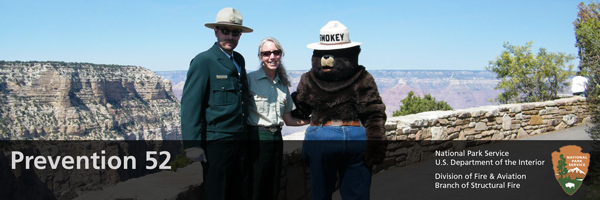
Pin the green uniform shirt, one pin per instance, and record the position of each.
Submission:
(214, 96)
(271, 100)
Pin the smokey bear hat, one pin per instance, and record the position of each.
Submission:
(334, 35)
(229, 17)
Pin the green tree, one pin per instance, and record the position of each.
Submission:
(180, 161)
(587, 34)
(528, 77)
(415, 104)
(561, 168)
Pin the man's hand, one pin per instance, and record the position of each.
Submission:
(195, 154)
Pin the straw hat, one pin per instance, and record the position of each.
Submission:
(229, 17)
(334, 35)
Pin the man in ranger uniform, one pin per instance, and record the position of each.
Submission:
(214, 111)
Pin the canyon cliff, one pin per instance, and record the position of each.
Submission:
(83, 101)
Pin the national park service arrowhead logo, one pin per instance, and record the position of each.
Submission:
(570, 167)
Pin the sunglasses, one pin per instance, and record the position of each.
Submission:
(234, 33)
(268, 53)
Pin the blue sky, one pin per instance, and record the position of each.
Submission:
(402, 35)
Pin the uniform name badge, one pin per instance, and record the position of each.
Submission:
(221, 76)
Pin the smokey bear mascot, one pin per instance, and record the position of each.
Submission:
(346, 136)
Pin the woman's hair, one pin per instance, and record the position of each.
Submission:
(280, 71)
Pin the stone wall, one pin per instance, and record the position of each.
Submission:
(481, 124)
(414, 138)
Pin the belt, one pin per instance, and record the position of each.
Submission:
(337, 123)
(271, 129)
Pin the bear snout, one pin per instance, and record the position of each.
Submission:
(327, 61)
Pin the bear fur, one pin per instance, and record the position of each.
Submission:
(338, 88)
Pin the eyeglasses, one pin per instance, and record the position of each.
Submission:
(234, 33)
(268, 53)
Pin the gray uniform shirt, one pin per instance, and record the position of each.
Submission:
(270, 100)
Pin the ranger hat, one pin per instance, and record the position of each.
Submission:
(229, 17)
(334, 35)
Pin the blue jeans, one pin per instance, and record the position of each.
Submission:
(336, 151)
